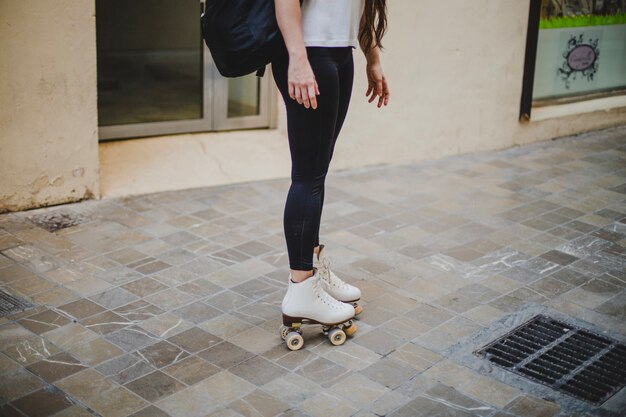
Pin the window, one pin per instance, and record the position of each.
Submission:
(155, 75)
(576, 50)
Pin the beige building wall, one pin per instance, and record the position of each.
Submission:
(454, 67)
(455, 71)
(48, 115)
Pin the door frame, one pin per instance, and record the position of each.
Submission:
(214, 108)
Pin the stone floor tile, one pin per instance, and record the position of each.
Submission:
(125, 368)
(191, 402)
(162, 354)
(225, 355)
(70, 335)
(200, 288)
(74, 411)
(131, 338)
(95, 351)
(113, 298)
(154, 386)
(105, 323)
(416, 356)
(228, 301)
(226, 326)
(550, 286)
(194, 340)
(540, 224)
(56, 367)
(226, 387)
(323, 372)
(54, 297)
(429, 315)
(484, 314)
(7, 364)
(447, 334)
(18, 383)
(292, 388)
(615, 307)
(144, 287)
(258, 370)
(150, 411)
(170, 299)
(388, 402)
(197, 312)
(81, 309)
(359, 390)
(389, 372)
(165, 325)
(256, 340)
(138, 311)
(117, 402)
(44, 321)
(529, 406)
(491, 391)
(85, 385)
(259, 403)
(451, 397)
(352, 356)
(42, 403)
(379, 341)
(326, 404)
(191, 370)
(450, 373)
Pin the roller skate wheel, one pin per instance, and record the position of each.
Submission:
(294, 341)
(357, 309)
(337, 336)
(284, 331)
(350, 328)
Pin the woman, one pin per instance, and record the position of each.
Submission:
(314, 74)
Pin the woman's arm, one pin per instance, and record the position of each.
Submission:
(377, 83)
(302, 85)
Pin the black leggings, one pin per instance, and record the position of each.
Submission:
(312, 136)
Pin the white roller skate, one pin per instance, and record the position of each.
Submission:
(334, 285)
(307, 302)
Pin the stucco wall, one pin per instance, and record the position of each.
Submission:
(454, 67)
(455, 71)
(48, 115)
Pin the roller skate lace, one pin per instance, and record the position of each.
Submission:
(328, 276)
(323, 295)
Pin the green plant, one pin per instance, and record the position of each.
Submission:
(582, 20)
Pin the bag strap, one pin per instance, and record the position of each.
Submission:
(261, 71)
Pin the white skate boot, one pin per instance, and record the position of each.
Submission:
(307, 302)
(334, 285)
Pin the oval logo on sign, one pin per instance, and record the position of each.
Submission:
(581, 57)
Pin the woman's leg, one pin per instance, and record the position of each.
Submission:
(346, 80)
(311, 134)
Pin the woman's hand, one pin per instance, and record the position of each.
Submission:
(376, 83)
(302, 85)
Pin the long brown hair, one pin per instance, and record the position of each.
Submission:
(372, 32)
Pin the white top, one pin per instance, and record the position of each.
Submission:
(331, 22)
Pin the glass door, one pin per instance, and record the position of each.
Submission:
(243, 102)
(156, 76)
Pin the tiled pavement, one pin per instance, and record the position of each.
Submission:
(169, 304)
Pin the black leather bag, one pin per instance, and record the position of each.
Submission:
(242, 35)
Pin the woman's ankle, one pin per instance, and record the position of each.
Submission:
(299, 276)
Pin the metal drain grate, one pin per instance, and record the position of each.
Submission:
(57, 220)
(574, 361)
(10, 304)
